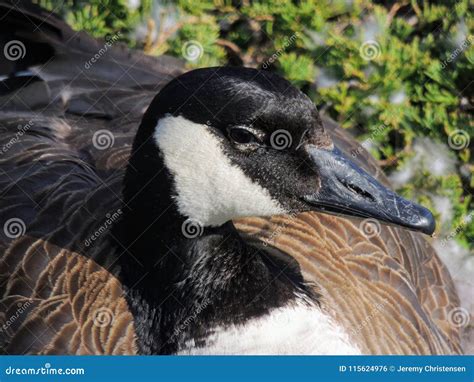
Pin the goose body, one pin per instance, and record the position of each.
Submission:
(127, 215)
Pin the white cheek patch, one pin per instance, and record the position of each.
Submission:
(210, 189)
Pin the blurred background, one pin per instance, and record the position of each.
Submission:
(398, 74)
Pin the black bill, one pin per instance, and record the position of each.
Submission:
(348, 190)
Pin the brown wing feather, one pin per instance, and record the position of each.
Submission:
(74, 307)
(65, 294)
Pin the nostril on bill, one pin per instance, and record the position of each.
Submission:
(357, 190)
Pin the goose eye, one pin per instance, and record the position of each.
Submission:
(242, 136)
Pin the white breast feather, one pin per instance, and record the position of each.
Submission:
(299, 329)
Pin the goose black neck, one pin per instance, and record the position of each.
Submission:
(151, 225)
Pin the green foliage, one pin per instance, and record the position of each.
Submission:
(203, 37)
(407, 66)
(99, 18)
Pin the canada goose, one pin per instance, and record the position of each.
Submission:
(172, 263)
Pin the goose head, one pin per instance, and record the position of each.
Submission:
(236, 142)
